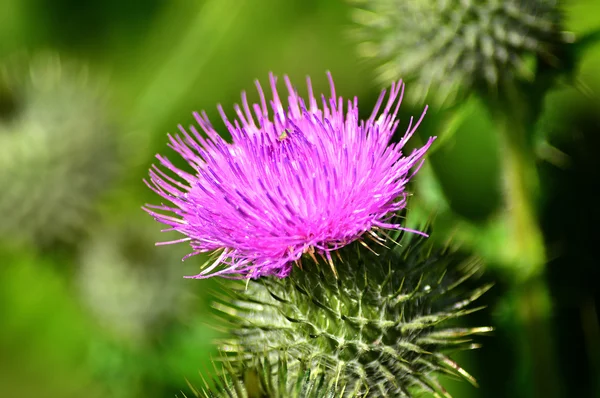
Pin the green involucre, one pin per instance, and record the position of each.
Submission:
(259, 378)
(382, 328)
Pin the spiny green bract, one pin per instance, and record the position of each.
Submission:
(379, 329)
(57, 147)
(453, 46)
(262, 379)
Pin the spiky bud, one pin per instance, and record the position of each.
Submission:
(261, 378)
(57, 147)
(454, 46)
(381, 327)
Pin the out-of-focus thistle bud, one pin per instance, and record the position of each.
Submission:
(261, 378)
(57, 147)
(131, 291)
(382, 328)
(455, 46)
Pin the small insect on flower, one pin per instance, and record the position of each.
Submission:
(306, 179)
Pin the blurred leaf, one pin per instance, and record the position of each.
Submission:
(88, 26)
(582, 18)
(466, 161)
(44, 333)
(585, 42)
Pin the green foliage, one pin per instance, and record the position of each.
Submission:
(132, 290)
(382, 327)
(57, 147)
(451, 47)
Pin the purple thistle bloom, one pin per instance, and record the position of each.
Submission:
(308, 180)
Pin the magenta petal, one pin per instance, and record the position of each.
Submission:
(299, 180)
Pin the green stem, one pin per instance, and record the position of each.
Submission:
(520, 180)
(525, 243)
(591, 329)
(534, 308)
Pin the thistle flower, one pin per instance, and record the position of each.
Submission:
(384, 327)
(57, 147)
(452, 47)
(308, 180)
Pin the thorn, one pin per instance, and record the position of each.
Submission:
(311, 253)
(387, 236)
(377, 239)
(330, 262)
(339, 256)
(367, 246)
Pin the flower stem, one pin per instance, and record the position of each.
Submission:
(525, 244)
(534, 308)
(520, 180)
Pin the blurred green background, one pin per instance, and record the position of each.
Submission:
(89, 89)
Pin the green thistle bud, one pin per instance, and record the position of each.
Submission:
(382, 327)
(57, 147)
(454, 46)
(130, 290)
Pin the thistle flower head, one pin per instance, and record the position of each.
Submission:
(453, 46)
(308, 179)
